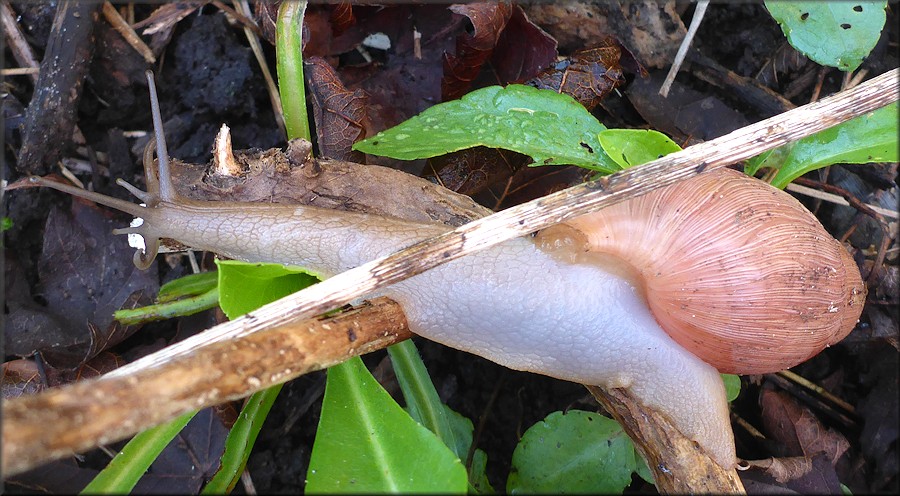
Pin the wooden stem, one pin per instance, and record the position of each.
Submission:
(64, 421)
(679, 465)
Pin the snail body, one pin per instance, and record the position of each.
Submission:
(615, 298)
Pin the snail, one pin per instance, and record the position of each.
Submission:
(657, 294)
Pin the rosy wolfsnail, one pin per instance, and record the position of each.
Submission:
(613, 298)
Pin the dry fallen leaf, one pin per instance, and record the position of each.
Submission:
(473, 50)
(340, 115)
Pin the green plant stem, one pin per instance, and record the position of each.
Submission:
(172, 309)
(241, 439)
(124, 471)
(289, 63)
(422, 401)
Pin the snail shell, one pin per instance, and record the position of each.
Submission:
(736, 271)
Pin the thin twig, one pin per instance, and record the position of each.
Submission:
(838, 199)
(16, 41)
(847, 407)
(21, 71)
(682, 50)
(253, 38)
(121, 26)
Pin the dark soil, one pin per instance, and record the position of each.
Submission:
(208, 75)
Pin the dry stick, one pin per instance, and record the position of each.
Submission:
(29, 439)
(50, 120)
(43, 427)
(840, 200)
(16, 41)
(699, 12)
(242, 7)
(121, 26)
(679, 465)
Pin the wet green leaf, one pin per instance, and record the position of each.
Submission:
(571, 453)
(836, 34)
(551, 128)
(245, 287)
(628, 147)
(366, 443)
(868, 138)
(732, 386)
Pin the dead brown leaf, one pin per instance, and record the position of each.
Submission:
(523, 50)
(651, 30)
(795, 475)
(167, 16)
(473, 50)
(783, 469)
(340, 115)
(19, 377)
(798, 429)
(76, 244)
(471, 170)
(265, 15)
(342, 17)
(587, 75)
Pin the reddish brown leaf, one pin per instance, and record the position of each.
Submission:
(20, 377)
(473, 50)
(587, 75)
(318, 32)
(340, 115)
(798, 429)
(523, 50)
(342, 17)
(265, 14)
(470, 171)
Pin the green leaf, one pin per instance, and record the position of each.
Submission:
(366, 443)
(573, 452)
(478, 481)
(190, 285)
(5, 224)
(867, 138)
(426, 408)
(241, 439)
(129, 465)
(732, 386)
(551, 128)
(245, 287)
(422, 401)
(628, 147)
(837, 34)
